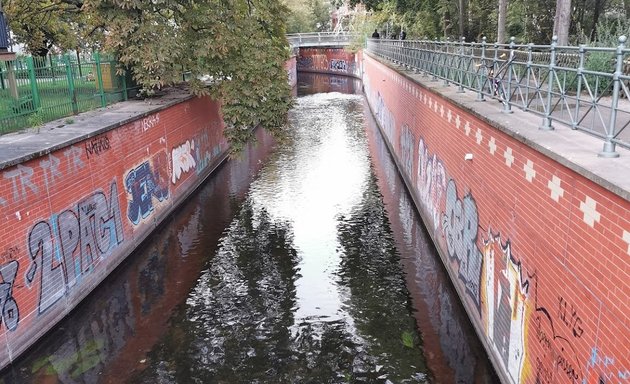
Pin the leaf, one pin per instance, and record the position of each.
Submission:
(407, 339)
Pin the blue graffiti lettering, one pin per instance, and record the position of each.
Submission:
(142, 183)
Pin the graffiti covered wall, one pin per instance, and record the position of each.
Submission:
(329, 60)
(539, 254)
(71, 216)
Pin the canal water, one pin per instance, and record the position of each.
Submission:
(300, 262)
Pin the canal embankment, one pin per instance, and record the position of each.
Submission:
(533, 226)
(78, 196)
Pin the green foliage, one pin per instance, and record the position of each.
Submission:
(308, 16)
(42, 25)
(407, 339)
(35, 120)
(608, 34)
(239, 45)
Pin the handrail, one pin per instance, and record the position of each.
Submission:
(318, 39)
(552, 81)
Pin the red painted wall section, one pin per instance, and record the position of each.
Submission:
(540, 254)
(329, 60)
(71, 216)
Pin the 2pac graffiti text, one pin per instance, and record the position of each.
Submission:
(70, 244)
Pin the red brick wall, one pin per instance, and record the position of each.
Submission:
(329, 60)
(540, 254)
(69, 217)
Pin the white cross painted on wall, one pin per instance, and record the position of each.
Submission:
(479, 136)
(458, 121)
(556, 189)
(589, 208)
(492, 145)
(530, 173)
(442, 110)
(449, 116)
(467, 128)
(509, 158)
(435, 106)
(626, 238)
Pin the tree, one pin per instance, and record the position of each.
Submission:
(562, 21)
(43, 24)
(308, 16)
(503, 4)
(239, 44)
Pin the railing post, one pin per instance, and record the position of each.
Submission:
(71, 89)
(578, 93)
(33, 80)
(99, 78)
(445, 68)
(507, 107)
(609, 145)
(530, 63)
(434, 56)
(124, 83)
(480, 81)
(546, 124)
(416, 58)
(460, 62)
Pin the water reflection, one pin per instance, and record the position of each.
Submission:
(453, 353)
(107, 337)
(298, 291)
(307, 265)
(311, 83)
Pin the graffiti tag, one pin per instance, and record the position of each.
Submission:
(68, 245)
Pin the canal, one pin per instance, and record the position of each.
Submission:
(300, 262)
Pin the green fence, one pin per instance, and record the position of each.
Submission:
(34, 90)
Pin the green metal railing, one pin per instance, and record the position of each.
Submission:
(554, 82)
(35, 90)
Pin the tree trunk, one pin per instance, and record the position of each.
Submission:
(562, 21)
(462, 18)
(599, 4)
(501, 38)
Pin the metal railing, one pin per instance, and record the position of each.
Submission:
(320, 39)
(35, 90)
(585, 88)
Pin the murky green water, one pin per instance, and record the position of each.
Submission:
(304, 264)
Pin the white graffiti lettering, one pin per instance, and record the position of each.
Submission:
(183, 159)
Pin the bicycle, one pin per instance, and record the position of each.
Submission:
(495, 72)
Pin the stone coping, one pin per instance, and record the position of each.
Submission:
(19, 147)
(574, 149)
